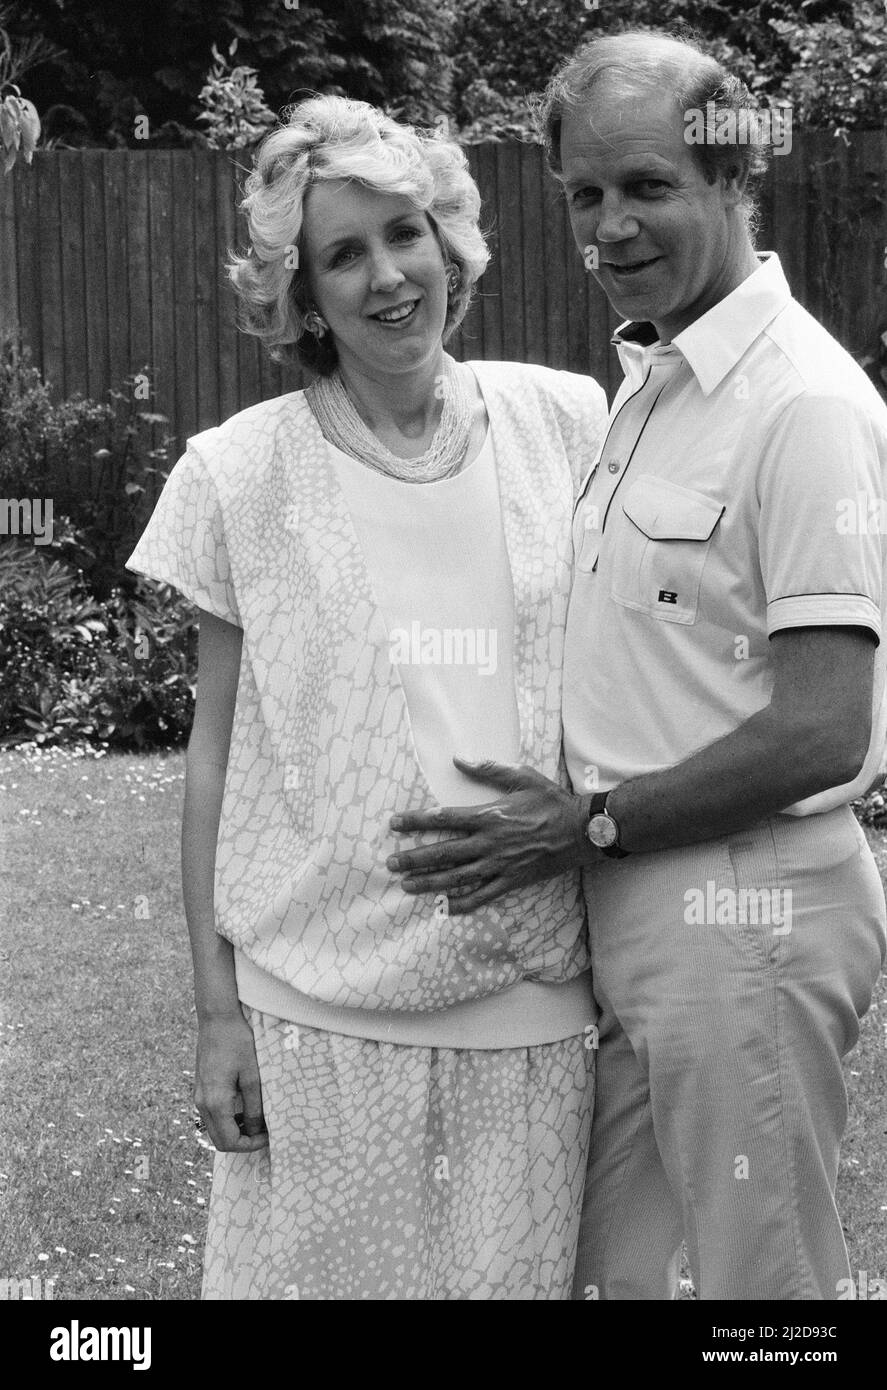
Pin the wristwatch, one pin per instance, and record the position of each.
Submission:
(602, 830)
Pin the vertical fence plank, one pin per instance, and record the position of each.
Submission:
(73, 302)
(10, 324)
(95, 276)
(535, 272)
(139, 251)
(511, 250)
(162, 285)
(491, 346)
(208, 258)
(49, 243)
(827, 181)
(29, 267)
(182, 232)
(863, 273)
(116, 254)
(875, 164)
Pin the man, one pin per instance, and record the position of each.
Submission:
(724, 700)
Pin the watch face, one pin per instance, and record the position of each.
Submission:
(602, 831)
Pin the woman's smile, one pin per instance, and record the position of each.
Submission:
(398, 315)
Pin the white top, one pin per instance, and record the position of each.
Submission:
(437, 562)
(438, 565)
(253, 525)
(730, 500)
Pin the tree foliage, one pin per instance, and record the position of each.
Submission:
(829, 60)
(472, 61)
(121, 61)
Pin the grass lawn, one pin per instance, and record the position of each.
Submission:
(103, 1182)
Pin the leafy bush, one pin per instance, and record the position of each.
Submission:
(826, 59)
(72, 667)
(872, 809)
(233, 104)
(838, 75)
(25, 410)
(50, 449)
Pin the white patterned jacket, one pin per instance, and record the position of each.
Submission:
(252, 526)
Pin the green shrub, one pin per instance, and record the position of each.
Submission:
(25, 408)
(838, 72)
(50, 449)
(872, 809)
(116, 672)
(233, 104)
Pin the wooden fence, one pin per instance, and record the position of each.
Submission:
(110, 262)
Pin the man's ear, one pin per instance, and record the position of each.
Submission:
(735, 177)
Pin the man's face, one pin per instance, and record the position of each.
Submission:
(666, 249)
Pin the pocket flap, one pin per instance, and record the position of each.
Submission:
(666, 511)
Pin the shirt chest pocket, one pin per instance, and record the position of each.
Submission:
(661, 548)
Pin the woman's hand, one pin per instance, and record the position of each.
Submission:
(227, 1084)
(533, 832)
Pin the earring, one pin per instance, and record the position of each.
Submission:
(453, 278)
(315, 324)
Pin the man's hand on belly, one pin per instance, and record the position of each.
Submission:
(534, 831)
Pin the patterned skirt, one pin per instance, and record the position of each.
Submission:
(398, 1172)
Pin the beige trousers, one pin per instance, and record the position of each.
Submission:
(732, 976)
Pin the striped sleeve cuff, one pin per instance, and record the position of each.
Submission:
(823, 610)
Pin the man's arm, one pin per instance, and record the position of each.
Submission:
(813, 734)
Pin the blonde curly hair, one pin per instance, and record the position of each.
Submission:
(330, 137)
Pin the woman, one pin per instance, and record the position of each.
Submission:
(401, 1104)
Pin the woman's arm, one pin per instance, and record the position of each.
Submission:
(227, 1074)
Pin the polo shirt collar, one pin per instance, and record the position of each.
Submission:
(714, 343)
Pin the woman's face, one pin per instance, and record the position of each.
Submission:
(368, 254)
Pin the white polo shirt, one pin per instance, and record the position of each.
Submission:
(739, 491)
